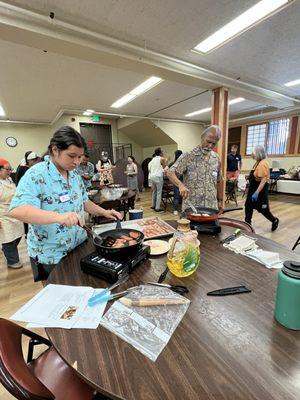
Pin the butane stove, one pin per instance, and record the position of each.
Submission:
(209, 228)
(110, 269)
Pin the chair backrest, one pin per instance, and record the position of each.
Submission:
(15, 375)
(244, 226)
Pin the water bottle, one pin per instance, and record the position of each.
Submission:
(287, 307)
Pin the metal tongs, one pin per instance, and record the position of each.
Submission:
(187, 201)
(102, 297)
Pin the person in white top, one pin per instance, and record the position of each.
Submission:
(156, 176)
(11, 230)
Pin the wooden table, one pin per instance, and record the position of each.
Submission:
(227, 348)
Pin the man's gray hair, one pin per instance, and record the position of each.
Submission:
(213, 129)
(259, 153)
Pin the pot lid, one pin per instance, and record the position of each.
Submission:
(292, 268)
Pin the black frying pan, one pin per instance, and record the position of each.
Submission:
(104, 244)
(211, 213)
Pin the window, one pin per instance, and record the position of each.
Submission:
(272, 136)
(256, 135)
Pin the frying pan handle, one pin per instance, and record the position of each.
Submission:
(231, 209)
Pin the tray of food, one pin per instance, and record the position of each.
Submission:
(152, 227)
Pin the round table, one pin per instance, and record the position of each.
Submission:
(224, 348)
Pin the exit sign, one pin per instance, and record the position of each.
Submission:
(96, 118)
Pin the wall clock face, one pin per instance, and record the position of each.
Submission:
(11, 141)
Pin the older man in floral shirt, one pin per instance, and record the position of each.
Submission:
(201, 170)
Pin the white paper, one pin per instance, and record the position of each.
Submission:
(269, 259)
(89, 319)
(246, 246)
(56, 305)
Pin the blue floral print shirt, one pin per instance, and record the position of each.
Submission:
(45, 188)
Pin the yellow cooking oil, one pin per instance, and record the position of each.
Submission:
(185, 262)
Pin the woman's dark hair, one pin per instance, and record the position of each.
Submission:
(158, 152)
(26, 155)
(65, 137)
(133, 159)
(177, 154)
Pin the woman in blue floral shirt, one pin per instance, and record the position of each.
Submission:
(52, 199)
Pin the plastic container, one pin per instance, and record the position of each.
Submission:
(287, 310)
(135, 214)
(184, 258)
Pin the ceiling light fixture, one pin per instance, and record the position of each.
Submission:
(249, 18)
(293, 83)
(89, 112)
(2, 112)
(207, 109)
(236, 100)
(202, 111)
(142, 88)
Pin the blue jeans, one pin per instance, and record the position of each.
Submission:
(177, 198)
(10, 251)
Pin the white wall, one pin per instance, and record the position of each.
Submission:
(187, 136)
(168, 150)
(284, 162)
(37, 137)
(137, 150)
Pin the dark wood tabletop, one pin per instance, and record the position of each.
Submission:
(228, 348)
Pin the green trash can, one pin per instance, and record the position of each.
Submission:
(287, 307)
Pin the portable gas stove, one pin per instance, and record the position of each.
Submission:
(208, 228)
(110, 269)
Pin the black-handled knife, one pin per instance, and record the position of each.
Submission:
(228, 291)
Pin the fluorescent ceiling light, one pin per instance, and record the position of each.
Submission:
(89, 112)
(204, 110)
(142, 88)
(148, 84)
(253, 15)
(123, 100)
(293, 83)
(2, 112)
(236, 100)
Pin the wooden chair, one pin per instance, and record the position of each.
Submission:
(296, 243)
(167, 193)
(231, 191)
(45, 378)
(244, 226)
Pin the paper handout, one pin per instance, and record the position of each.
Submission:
(61, 306)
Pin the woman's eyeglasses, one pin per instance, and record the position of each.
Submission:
(7, 169)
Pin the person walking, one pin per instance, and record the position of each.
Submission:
(257, 196)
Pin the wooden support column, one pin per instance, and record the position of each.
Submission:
(219, 116)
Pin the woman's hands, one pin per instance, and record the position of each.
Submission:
(112, 214)
(254, 197)
(69, 219)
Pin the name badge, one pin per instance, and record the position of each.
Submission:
(64, 197)
(215, 173)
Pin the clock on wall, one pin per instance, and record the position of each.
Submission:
(11, 141)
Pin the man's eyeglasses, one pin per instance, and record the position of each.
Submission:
(7, 169)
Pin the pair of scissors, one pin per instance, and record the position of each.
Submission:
(180, 289)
